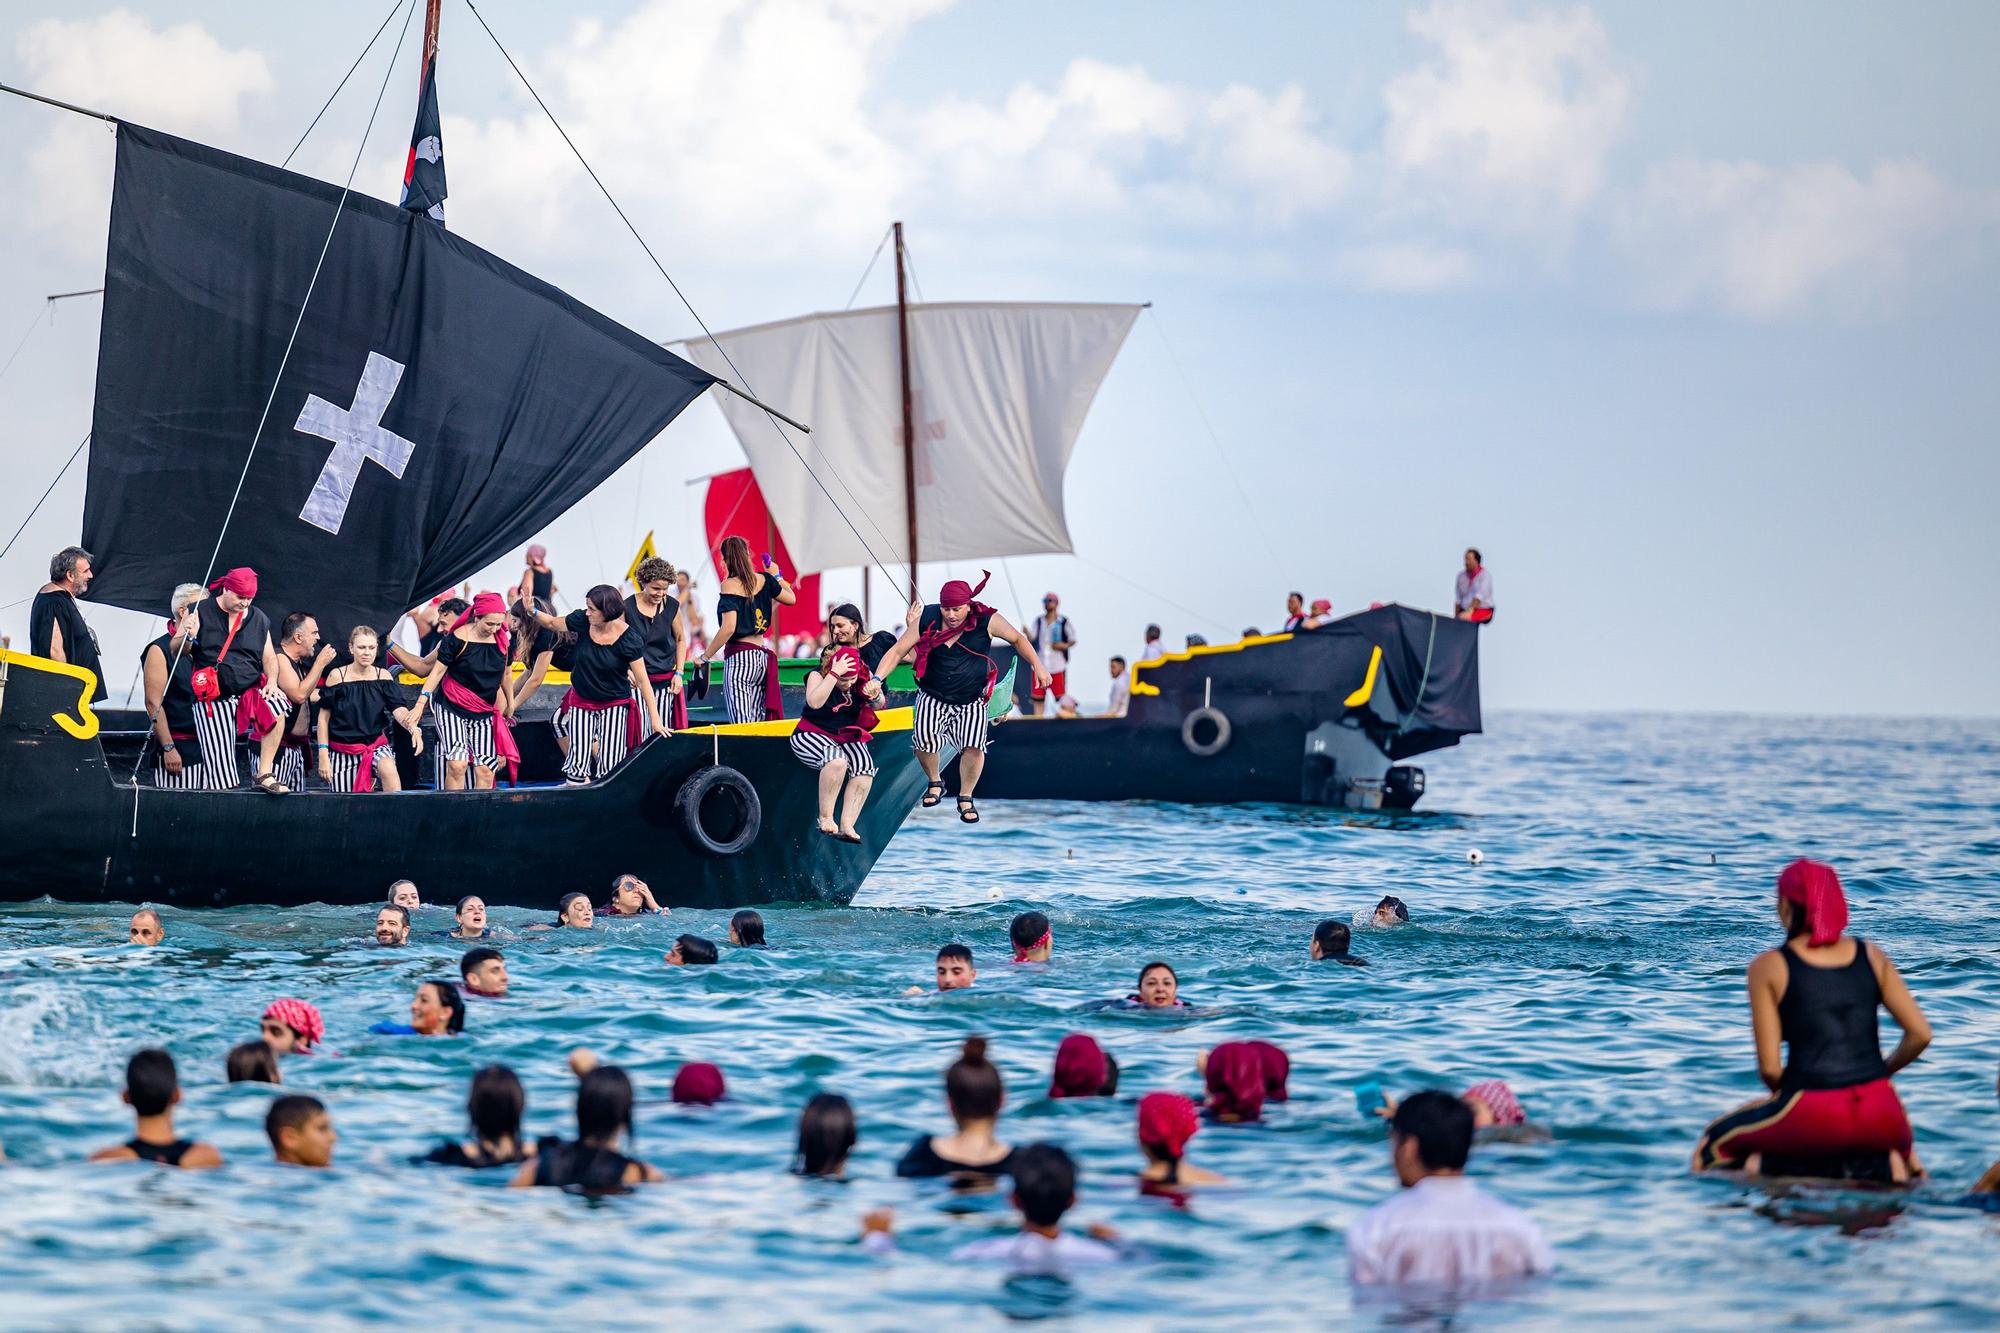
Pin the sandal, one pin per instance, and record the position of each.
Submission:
(968, 813)
(269, 783)
(933, 795)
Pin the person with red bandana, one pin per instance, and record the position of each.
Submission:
(947, 644)
(233, 660)
(1472, 598)
(833, 734)
(1833, 1111)
(470, 671)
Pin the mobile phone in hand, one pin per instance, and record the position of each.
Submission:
(1368, 1098)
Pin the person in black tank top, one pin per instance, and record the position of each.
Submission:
(592, 1163)
(172, 744)
(832, 736)
(1834, 1112)
(655, 613)
(746, 613)
(949, 644)
(152, 1090)
(538, 581)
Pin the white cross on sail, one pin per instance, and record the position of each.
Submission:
(358, 436)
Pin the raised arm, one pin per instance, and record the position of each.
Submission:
(819, 688)
(1000, 629)
(895, 655)
(787, 595)
(1902, 1007)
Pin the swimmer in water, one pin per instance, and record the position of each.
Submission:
(827, 1134)
(1330, 943)
(1496, 1113)
(253, 1062)
(292, 1027)
(1236, 1075)
(145, 928)
(437, 1011)
(631, 896)
(1990, 1182)
(484, 973)
(1082, 1068)
(1159, 988)
(746, 930)
(974, 1092)
(692, 951)
(494, 1107)
(403, 893)
(1044, 1189)
(1391, 911)
(1033, 938)
(573, 912)
(592, 1163)
(471, 917)
(1167, 1121)
(954, 970)
(301, 1132)
(392, 926)
(1818, 997)
(153, 1090)
(698, 1084)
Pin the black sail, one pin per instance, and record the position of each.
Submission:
(439, 405)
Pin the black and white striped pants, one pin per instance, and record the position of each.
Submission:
(816, 752)
(939, 725)
(347, 767)
(192, 777)
(290, 766)
(215, 726)
(596, 740)
(743, 685)
(464, 737)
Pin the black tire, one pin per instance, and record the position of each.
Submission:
(1205, 732)
(718, 812)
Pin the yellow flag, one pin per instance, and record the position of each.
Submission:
(646, 552)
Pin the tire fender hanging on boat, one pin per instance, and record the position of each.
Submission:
(718, 811)
(1192, 725)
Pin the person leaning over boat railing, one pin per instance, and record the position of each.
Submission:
(357, 703)
(657, 615)
(833, 733)
(608, 689)
(301, 663)
(470, 672)
(234, 659)
(746, 612)
(948, 644)
(56, 627)
(167, 669)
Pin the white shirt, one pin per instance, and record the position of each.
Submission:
(1469, 586)
(1153, 652)
(1121, 695)
(1044, 634)
(1032, 1252)
(1445, 1229)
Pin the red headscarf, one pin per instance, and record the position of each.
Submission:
(1499, 1099)
(1277, 1068)
(1814, 886)
(956, 593)
(698, 1085)
(242, 581)
(1079, 1067)
(301, 1018)
(1236, 1081)
(485, 604)
(1167, 1121)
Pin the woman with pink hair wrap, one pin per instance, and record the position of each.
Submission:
(1236, 1082)
(471, 676)
(1167, 1121)
(698, 1084)
(1833, 1111)
(1081, 1068)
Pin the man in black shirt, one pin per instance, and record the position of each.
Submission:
(56, 628)
(232, 645)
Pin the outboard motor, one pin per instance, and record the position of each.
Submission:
(1402, 787)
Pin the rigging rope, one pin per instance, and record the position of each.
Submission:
(44, 500)
(853, 295)
(342, 84)
(26, 334)
(1236, 480)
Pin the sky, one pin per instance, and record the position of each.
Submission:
(1685, 315)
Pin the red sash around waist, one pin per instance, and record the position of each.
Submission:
(632, 732)
(364, 772)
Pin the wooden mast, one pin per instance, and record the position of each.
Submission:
(430, 46)
(909, 414)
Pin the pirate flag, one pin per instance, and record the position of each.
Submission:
(423, 174)
(436, 405)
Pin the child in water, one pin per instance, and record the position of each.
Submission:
(1044, 1189)
(301, 1132)
(827, 1134)
(152, 1090)
(253, 1062)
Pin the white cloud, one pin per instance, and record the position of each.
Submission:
(1510, 121)
(1767, 242)
(1403, 266)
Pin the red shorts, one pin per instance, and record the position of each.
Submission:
(1058, 680)
(1480, 616)
(1820, 1122)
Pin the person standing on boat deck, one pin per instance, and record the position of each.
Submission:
(1818, 995)
(1295, 612)
(745, 612)
(1154, 649)
(233, 660)
(469, 669)
(608, 687)
(56, 627)
(168, 670)
(833, 734)
(1054, 637)
(357, 703)
(1322, 614)
(844, 629)
(538, 581)
(290, 691)
(1472, 597)
(1121, 690)
(656, 613)
(947, 643)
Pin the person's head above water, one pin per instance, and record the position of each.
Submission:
(574, 909)
(628, 896)
(1430, 1134)
(698, 1084)
(1331, 942)
(484, 971)
(827, 1134)
(954, 967)
(495, 1105)
(152, 1084)
(1159, 986)
(603, 1106)
(253, 1062)
(746, 930)
(1080, 1068)
(392, 925)
(403, 893)
(300, 1130)
(1167, 1121)
(1391, 911)
(1033, 937)
(145, 927)
(1811, 902)
(471, 916)
(692, 951)
(1236, 1080)
(1493, 1103)
(972, 1085)
(291, 1025)
(1277, 1068)
(1044, 1184)
(438, 1009)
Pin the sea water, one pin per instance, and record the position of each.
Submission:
(1594, 958)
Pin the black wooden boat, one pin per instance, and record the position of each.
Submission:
(1320, 717)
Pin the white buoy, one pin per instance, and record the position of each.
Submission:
(1475, 856)
(993, 892)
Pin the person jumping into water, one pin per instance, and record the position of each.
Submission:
(947, 643)
(1818, 995)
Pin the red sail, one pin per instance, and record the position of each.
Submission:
(735, 508)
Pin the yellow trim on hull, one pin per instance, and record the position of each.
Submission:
(894, 719)
(87, 728)
(1361, 696)
(1203, 650)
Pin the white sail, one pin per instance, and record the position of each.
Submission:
(1000, 391)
